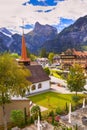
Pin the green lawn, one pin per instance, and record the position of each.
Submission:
(56, 73)
(52, 100)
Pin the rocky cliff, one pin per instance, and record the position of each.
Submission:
(74, 36)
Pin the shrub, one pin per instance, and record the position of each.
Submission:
(46, 69)
(31, 120)
(66, 108)
(49, 119)
(59, 111)
(55, 123)
(57, 118)
(35, 110)
(17, 117)
(75, 98)
(51, 113)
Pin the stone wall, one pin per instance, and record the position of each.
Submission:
(14, 105)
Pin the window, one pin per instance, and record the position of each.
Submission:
(33, 87)
(39, 86)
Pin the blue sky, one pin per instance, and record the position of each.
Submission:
(58, 13)
(44, 2)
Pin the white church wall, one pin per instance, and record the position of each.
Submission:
(35, 88)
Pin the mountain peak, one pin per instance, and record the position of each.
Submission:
(82, 21)
(44, 29)
(5, 31)
(37, 24)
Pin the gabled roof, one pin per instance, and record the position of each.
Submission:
(80, 53)
(37, 74)
(76, 53)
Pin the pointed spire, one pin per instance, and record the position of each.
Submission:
(23, 49)
(24, 59)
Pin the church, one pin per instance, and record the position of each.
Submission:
(39, 79)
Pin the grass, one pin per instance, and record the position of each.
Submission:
(56, 73)
(52, 100)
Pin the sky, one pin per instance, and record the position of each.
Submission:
(58, 13)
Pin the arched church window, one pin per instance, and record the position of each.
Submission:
(39, 86)
(33, 87)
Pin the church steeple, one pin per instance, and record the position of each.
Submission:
(24, 59)
(23, 49)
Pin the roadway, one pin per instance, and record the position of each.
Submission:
(63, 86)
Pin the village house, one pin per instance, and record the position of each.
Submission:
(71, 56)
(43, 61)
(56, 60)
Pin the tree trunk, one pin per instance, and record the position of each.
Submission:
(4, 117)
(76, 93)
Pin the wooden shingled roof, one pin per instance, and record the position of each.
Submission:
(37, 74)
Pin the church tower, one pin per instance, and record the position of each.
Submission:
(24, 59)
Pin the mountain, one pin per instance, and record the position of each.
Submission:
(46, 36)
(8, 41)
(34, 39)
(39, 35)
(74, 36)
(5, 39)
(5, 31)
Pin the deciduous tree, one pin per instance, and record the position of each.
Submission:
(43, 53)
(12, 81)
(50, 57)
(76, 78)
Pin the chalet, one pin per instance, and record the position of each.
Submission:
(71, 56)
(39, 79)
(56, 60)
(42, 61)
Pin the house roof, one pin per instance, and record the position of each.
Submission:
(37, 74)
(81, 54)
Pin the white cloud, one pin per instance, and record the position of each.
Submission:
(12, 11)
(72, 9)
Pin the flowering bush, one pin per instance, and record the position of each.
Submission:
(57, 118)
